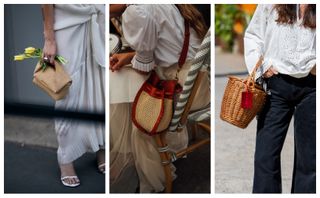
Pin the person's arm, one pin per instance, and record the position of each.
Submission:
(50, 46)
(141, 32)
(117, 61)
(254, 42)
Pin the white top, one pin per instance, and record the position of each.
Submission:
(68, 15)
(290, 49)
(156, 32)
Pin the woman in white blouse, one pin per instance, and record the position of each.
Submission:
(76, 32)
(156, 33)
(285, 35)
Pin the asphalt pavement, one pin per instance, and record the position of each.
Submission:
(34, 169)
(30, 160)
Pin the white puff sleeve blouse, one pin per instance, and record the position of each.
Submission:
(156, 33)
(290, 49)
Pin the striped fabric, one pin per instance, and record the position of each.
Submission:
(201, 60)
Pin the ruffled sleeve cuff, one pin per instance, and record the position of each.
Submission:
(144, 62)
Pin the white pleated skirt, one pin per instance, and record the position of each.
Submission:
(87, 93)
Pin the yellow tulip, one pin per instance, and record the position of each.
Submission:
(29, 50)
(18, 57)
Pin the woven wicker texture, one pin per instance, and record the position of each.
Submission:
(147, 111)
(231, 110)
(151, 111)
(167, 115)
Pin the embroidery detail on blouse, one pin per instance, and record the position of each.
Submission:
(289, 48)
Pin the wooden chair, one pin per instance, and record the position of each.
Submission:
(182, 113)
(197, 71)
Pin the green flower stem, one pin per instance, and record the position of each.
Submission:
(38, 54)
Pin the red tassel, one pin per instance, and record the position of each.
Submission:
(246, 100)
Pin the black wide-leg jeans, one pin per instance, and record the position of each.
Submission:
(289, 97)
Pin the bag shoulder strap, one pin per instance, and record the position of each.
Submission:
(258, 64)
(252, 76)
(184, 51)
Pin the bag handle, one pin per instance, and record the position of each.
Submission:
(252, 76)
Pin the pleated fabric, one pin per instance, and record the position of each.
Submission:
(87, 92)
(121, 156)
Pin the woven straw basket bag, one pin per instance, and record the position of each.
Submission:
(152, 108)
(232, 110)
(153, 115)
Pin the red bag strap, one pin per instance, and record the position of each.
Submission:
(184, 51)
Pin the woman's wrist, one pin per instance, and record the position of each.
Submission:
(314, 70)
(49, 35)
(130, 56)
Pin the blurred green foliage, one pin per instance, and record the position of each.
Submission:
(225, 17)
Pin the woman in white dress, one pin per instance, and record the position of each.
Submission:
(76, 32)
(285, 35)
(156, 33)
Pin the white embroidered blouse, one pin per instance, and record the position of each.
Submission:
(290, 49)
(156, 33)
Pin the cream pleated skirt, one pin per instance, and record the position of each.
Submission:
(87, 93)
(129, 147)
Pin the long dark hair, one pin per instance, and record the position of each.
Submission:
(287, 15)
(194, 17)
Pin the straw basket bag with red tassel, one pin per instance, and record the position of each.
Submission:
(243, 99)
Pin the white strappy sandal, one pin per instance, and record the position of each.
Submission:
(70, 177)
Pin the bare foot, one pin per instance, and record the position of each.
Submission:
(68, 175)
(101, 160)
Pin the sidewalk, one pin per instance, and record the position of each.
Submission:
(228, 63)
(30, 131)
(234, 147)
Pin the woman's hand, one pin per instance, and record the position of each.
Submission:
(270, 72)
(50, 49)
(117, 61)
